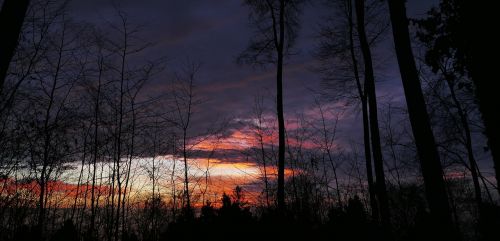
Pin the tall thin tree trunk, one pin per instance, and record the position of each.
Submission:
(432, 171)
(11, 21)
(172, 180)
(96, 145)
(468, 139)
(85, 199)
(328, 143)
(131, 155)
(186, 180)
(279, 107)
(380, 186)
(44, 176)
(120, 126)
(364, 110)
(292, 168)
(110, 204)
(368, 160)
(263, 153)
(79, 177)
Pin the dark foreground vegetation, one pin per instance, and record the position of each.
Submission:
(234, 220)
(100, 142)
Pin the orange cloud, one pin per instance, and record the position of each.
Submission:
(239, 140)
(236, 141)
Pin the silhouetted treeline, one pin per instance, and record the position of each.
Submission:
(90, 149)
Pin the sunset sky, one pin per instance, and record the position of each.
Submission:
(291, 120)
(213, 33)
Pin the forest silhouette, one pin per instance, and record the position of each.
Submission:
(93, 148)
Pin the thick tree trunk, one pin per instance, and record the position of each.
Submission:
(481, 71)
(11, 20)
(424, 138)
(487, 100)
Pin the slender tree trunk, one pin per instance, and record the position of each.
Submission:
(185, 127)
(468, 140)
(79, 177)
(118, 174)
(325, 179)
(44, 176)
(111, 194)
(263, 153)
(279, 107)
(292, 168)
(85, 199)
(153, 204)
(96, 145)
(383, 200)
(120, 126)
(99, 194)
(11, 21)
(131, 155)
(339, 197)
(41, 200)
(432, 171)
(172, 180)
(186, 179)
(117, 161)
(364, 110)
(368, 161)
(327, 149)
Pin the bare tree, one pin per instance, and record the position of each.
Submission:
(453, 87)
(276, 22)
(328, 134)
(449, 32)
(97, 110)
(185, 102)
(455, 118)
(49, 147)
(260, 134)
(339, 55)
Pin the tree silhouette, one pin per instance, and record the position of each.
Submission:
(11, 20)
(342, 44)
(276, 21)
(186, 101)
(67, 232)
(95, 146)
(448, 33)
(424, 138)
(373, 116)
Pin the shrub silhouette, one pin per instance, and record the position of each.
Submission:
(67, 232)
